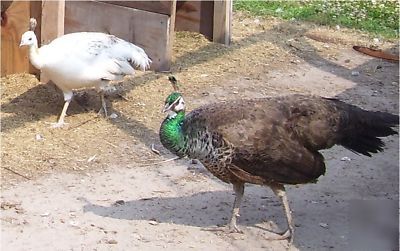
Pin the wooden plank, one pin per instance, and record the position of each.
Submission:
(15, 21)
(222, 21)
(149, 30)
(161, 7)
(36, 12)
(170, 35)
(195, 16)
(52, 24)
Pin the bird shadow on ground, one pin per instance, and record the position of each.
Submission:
(205, 209)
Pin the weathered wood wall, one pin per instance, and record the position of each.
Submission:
(14, 22)
(195, 16)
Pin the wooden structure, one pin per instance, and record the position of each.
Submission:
(149, 24)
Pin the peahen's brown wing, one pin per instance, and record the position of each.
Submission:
(275, 138)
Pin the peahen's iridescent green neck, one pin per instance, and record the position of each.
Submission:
(171, 134)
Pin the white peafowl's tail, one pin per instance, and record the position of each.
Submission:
(140, 59)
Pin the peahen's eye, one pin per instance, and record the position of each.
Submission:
(30, 39)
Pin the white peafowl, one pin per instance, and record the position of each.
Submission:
(84, 59)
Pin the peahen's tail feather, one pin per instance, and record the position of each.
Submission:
(367, 127)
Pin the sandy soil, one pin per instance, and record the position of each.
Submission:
(96, 185)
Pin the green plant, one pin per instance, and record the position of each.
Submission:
(375, 16)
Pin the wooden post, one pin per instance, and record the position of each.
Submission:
(222, 21)
(53, 13)
(170, 38)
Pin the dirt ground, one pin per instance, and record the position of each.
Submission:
(96, 185)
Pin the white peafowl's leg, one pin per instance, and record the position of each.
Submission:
(60, 122)
(102, 88)
(103, 104)
(239, 190)
(279, 191)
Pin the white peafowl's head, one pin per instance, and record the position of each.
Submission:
(29, 39)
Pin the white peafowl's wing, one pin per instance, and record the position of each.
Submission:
(97, 55)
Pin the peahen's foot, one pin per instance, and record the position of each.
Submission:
(287, 235)
(226, 229)
(233, 228)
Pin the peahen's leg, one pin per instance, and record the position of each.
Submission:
(239, 190)
(232, 226)
(279, 191)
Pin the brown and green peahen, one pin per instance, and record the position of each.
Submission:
(271, 141)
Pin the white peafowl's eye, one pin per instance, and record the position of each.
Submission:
(30, 39)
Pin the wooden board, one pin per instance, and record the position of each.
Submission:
(52, 24)
(222, 21)
(146, 29)
(195, 16)
(15, 21)
(161, 7)
(36, 12)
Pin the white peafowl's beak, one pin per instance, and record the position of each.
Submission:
(22, 43)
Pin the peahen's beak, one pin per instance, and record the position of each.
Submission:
(166, 108)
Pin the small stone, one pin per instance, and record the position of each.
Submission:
(39, 137)
(337, 27)
(74, 224)
(355, 73)
(152, 222)
(113, 116)
(345, 159)
(46, 214)
(347, 61)
(91, 158)
(119, 203)
(323, 224)
(112, 241)
(136, 236)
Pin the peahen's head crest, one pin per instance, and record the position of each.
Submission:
(174, 102)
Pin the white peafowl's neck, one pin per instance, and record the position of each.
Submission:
(34, 56)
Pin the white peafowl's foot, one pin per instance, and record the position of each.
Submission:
(59, 124)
